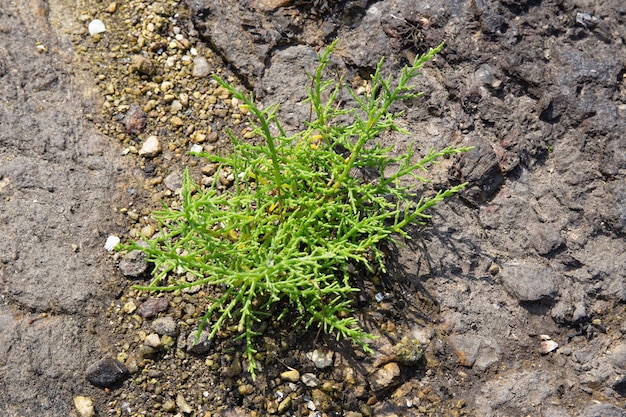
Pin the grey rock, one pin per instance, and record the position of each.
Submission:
(547, 239)
(618, 356)
(528, 282)
(165, 326)
(491, 17)
(488, 356)
(238, 35)
(202, 345)
(297, 61)
(480, 168)
(554, 411)
(174, 181)
(466, 348)
(134, 264)
(106, 372)
(522, 393)
(571, 306)
(602, 410)
(597, 376)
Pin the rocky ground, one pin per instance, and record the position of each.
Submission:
(511, 303)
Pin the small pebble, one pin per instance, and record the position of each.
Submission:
(385, 376)
(291, 376)
(111, 243)
(151, 147)
(270, 5)
(84, 406)
(233, 370)
(134, 264)
(135, 120)
(153, 340)
(129, 307)
(245, 389)
(169, 406)
(177, 121)
(148, 231)
(142, 65)
(201, 67)
(321, 358)
(203, 345)
(164, 326)
(182, 404)
(174, 181)
(106, 372)
(152, 307)
(310, 380)
(96, 26)
(284, 405)
(548, 346)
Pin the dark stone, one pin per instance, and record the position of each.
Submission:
(480, 168)
(106, 372)
(491, 19)
(135, 120)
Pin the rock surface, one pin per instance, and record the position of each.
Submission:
(533, 247)
(58, 184)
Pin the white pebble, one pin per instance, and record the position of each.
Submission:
(201, 67)
(111, 243)
(96, 26)
(322, 358)
(196, 148)
(548, 346)
(151, 147)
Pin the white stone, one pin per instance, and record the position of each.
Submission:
(151, 147)
(548, 346)
(96, 26)
(201, 67)
(111, 243)
(321, 358)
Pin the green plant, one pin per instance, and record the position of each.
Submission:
(294, 218)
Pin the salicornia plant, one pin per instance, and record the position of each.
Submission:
(282, 235)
